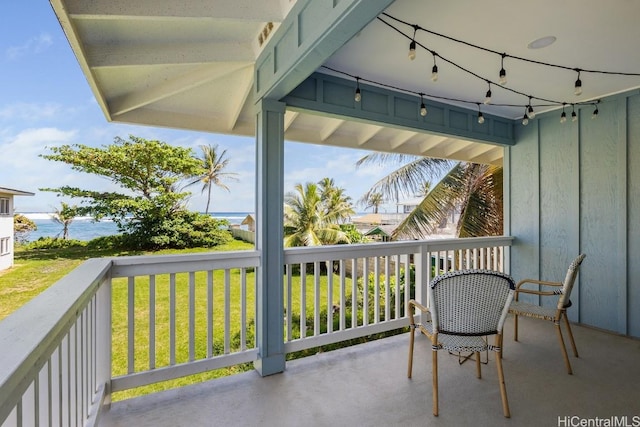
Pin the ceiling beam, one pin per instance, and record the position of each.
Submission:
(329, 128)
(258, 11)
(430, 142)
(166, 88)
(236, 103)
(368, 132)
(401, 137)
(100, 56)
(289, 118)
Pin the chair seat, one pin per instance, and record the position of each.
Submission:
(459, 343)
(531, 310)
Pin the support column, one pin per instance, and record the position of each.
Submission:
(269, 236)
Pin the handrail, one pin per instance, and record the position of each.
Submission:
(29, 336)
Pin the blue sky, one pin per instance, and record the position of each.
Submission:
(45, 101)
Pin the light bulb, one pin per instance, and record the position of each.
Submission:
(578, 87)
(530, 113)
(487, 98)
(574, 116)
(503, 77)
(563, 117)
(412, 50)
(358, 96)
(525, 121)
(595, 114)
(423, 110)
(480, 118)
(434, 73)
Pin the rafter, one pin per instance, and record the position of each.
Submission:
(99, 56)
(165, 89)
(237, 102)
(329, 128)
(289, 118)
(259, 11)
(368, 132)
(401, 138)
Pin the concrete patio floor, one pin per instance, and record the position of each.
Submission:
(366, 385)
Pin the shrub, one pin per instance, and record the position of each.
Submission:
(54, 243)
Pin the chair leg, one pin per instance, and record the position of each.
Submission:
(573, 343)
(515, 327)
(434, 375)
(478, 369)
(563, 348)
(503, 387)
(411, 340)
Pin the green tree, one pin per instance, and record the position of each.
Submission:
(374, 200)
(22, 226)
(312, 214)
(150, 200)
(64, 216)
(213, 166)
(475, 190)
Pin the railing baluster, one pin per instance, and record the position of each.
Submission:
(316, 298)
(329, 296)
(407, 284)
(210, 334)
(343, 295)
(397, 275)
(172, 319)
(387, 288)
(354, 292)
(376, 290)
(303, 300)
(227, 311)
(365, 291)
(152, 321)
(243, 309)
(289, 308)
(192, 316)
(131, 325)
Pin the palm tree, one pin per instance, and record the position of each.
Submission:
(475, 190)
(64, 216)
(374, 201)
(312, 213)
(212, 174)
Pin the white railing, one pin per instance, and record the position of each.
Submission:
(176, 296)
(115, 324)
(56, 350)
(330, 303)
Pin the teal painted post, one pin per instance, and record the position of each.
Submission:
(269, 236)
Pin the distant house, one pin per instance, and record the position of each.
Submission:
(6, 225)
(249, 222)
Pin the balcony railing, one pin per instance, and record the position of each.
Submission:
(178, 315)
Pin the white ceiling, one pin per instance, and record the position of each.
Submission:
(190, 64)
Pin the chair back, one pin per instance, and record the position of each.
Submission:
(567, 285)
(470, 302)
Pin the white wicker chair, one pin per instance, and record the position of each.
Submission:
(562, 290)
(465, 307)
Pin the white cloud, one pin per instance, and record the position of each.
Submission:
(35, 45)
(29, 112)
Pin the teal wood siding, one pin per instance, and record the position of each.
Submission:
(575, 187)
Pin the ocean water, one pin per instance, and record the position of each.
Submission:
(84, 228)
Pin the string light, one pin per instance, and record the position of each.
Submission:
(578, 84)
(423, 108)
(480, 116)
(563, 116)
(358, 95)
(530, 113)
(412, 45)
(525, 118)
(503, 73)
(487, 98)
(434, 70)
(574, 116)
(594, 115)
